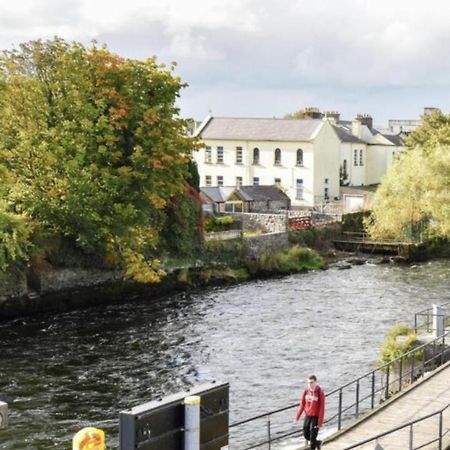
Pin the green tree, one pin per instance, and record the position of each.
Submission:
(94, 146)
(413, 200)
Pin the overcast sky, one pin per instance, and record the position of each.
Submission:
(265, 58)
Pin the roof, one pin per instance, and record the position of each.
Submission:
(344, 136)
(396, 139)
(220, 194)
(259, 129)
(264, 193)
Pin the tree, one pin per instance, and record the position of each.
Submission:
(413, 200)
(95, 147)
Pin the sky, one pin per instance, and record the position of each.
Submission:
(266, 58)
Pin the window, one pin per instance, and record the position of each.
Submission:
(256, 156)
(255, 181)
(361, 161)
(299, 157)
(238, 155)
(325, 193)
(208, 154)
(208, 180)
(238, 181)
(299, 189)
(345, 167)
(277, 181)
(326, 181)
(219, 180)
(277, 160)
(355, 157)
(220, 155)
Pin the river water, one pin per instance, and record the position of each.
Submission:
(59, 373)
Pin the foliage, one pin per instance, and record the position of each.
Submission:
(413, 201)
(354, 222)
(316, 237)
(94, 147)
(300, 114)
(293, 260)
(393, 348)
(222, 223)
(15, 231)
(228, 251)
(182, 234)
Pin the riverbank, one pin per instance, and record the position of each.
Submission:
(56, 289)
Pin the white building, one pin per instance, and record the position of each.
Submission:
(301, 156)
(307, 158)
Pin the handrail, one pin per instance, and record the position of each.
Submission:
(400, 427)
(426, 312)
(384, 389)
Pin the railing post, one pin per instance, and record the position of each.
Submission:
(400, 374)
(357, 399)
(412, 369)
(443, 349)
(387, 381)
(415, 323)
(373, 391)
(269, 438)
(411, 437)
(440, 431)
(340, 409)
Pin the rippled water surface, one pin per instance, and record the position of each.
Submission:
(62, 372)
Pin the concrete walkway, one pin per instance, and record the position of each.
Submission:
(424, 397)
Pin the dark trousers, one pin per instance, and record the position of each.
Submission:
(310, 431)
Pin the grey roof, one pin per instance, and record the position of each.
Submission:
(254, 129)
(396, 139)
(345, 136)
(220, 194)
(264, 193)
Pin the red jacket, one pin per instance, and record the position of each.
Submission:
(313, 403)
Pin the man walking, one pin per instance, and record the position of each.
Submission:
(313, 404)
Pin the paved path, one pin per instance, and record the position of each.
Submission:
(424, 397)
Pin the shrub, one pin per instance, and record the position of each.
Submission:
(295, 259)
(393, 348)
(219, 223)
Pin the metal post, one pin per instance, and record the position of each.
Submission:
(440, 431)
(373, 390)
(387, 381)
(400, 374)
(412, 369)
(340, 409)
(411, 437)
(357, 399)
(415, 323)
(192, 423)
(269, 438)
(443, 349)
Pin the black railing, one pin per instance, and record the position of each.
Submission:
(438, 435)
(424, 318)
(349, 400)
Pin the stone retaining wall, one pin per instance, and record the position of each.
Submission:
(255, 246)
(268, 223)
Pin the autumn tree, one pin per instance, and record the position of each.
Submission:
(94, 148)
(413, 201)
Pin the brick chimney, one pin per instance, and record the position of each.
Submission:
(333, 116)
(312, 112)
(365, 119)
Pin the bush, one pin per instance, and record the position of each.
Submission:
(215, 224)
(295, 259)
(392, 348)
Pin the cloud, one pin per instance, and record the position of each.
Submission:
(316, 48)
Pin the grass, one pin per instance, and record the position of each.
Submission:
(392, 347)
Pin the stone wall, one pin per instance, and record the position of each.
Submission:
(267, 223)
(255, 246)
(269, 206)
(12, 285)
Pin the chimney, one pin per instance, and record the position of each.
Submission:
(333, 116)
(365, 119)
(429, 110)
(312, 112)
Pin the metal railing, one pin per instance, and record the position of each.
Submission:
(441, 432)
(427, 323)
(351, 399)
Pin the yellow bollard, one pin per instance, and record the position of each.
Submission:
(89, 439)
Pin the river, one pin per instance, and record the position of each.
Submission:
(60, 372)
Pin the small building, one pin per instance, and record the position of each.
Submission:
(260, 199)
